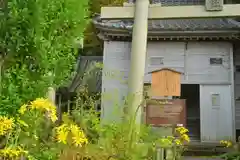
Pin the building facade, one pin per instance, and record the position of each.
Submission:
(204, 50)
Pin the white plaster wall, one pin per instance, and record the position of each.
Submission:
(198, 67)
(171, 53)
(190, 58)
(116, 63)
(237, 87)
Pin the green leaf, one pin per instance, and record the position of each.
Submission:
(37, 39)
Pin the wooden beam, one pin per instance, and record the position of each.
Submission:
(171, 12)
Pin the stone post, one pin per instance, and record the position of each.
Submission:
(138, 57)
(51, 94)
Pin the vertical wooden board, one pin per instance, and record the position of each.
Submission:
(162, 90)
(155, 83)
(175, 85)
(166, 83)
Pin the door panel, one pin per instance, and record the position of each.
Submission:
(216, 113)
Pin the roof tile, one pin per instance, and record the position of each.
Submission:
(179, 24)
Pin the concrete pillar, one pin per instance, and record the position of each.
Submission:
(138, 57)
(51, 97)
(51, 94)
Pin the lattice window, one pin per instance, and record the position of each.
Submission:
(214, 5)
(178, 2)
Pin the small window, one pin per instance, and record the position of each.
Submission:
(215, 100)
(237, 68)
(156, 61)
(216, 61)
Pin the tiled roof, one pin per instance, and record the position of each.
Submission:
(88, 74)
(176, 25)
(175, 2)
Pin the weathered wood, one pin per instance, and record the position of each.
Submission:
(165, 111)
(171, 12)
(166, 82)
(158, 114)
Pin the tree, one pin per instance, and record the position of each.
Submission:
(37, 40)
(91, 40)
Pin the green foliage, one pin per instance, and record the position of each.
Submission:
(37, 40)
(118, 140)
(231, 156)
(90, 35)
(233, 150)
(32, 131)
(109, 141)
(40, 138)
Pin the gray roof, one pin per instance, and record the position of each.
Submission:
(176, 25)
(87, 74)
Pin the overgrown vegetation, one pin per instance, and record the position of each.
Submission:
(234, 152)
(33, 133)
(37, 47)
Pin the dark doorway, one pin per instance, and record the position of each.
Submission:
(191, 93)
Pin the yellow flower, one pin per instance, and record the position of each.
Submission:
(226, 143)
(45, 105)
(74, 129)
(12, 152)
(6, 124)
(185, 137)
(79, 137)
(178, 142)
(62, 137)
(229, 144)
(53, 117)
(181, 130)
(39, 103)
(79, 140)
(62, 133)
(23, 109)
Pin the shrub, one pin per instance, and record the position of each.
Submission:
(234, 150)
(33, 133)
(37, 47)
